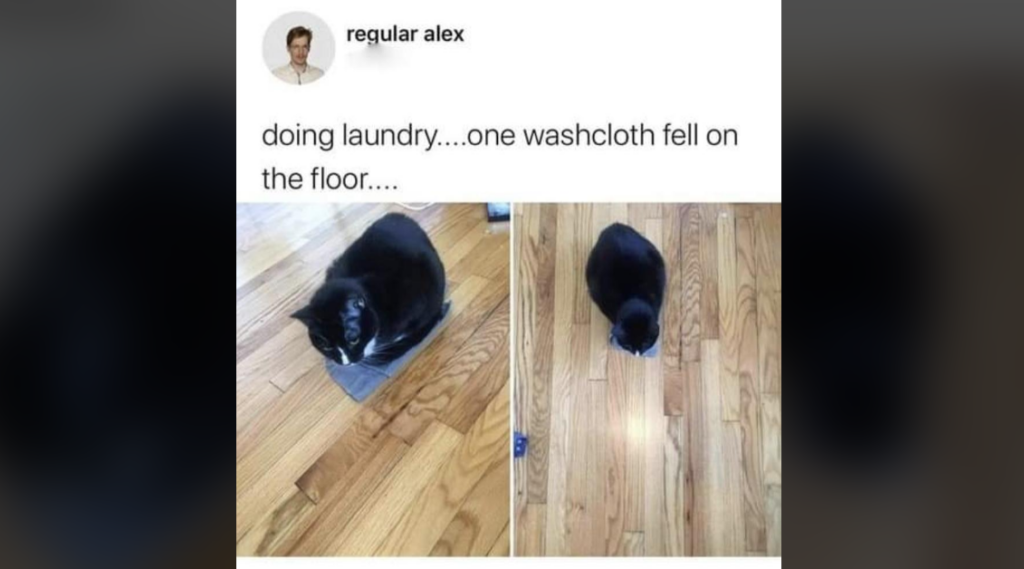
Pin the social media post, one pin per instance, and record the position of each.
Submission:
(400, 101)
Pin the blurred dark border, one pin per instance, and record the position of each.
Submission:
(116, 318)
(902, 172)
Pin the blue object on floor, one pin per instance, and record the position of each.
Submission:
(360, 380)
(520, 444)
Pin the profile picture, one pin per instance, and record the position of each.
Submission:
(298, 48)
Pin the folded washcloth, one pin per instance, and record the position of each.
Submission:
(359, 380)
(650, 353)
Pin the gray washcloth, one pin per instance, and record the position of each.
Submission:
(360, 380)
(650, 353)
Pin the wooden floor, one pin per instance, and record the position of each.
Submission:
(422, 466)
(675, 455)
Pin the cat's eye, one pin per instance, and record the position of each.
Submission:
(320, 341)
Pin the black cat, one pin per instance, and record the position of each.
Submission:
(382, 296)
(626, 278)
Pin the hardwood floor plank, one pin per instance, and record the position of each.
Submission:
(251, 399)
(728, 317)
(633, 544)
(632, 369)
(582, 244)
(563, 385)
(616, 452)
(750, 400)
(269, 470)
(334, 463)
(530, 531)
(294, 530)
(481, 519)
(467, 316)
(675, 486)
(282, 359)
(773, 515)
(769, 341)
(525, 300)
(387, 503)
(476, 393)
(771, 421)
(655, 426)
(485, 444)
(619, 213)
(671, 248)
(709, 271)
(578, 524)
(487, 347)
(459, 250)
(264, 536)
(488, 256)
(600, 327)
(768, 227)
(502, 545)
(540, 380)
(692, 284)
(597, 468)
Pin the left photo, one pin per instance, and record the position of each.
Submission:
(372, 367)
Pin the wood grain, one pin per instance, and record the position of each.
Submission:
(481, 519)
(728, 317)
(529, 532)
(649, 456)
(773, 517)
(670, 245)
(750, 400)
(318, 473)
(540, 380)
(709, 271)
(691, 264)
(312, 531)
(675, 486)
(771, 410)
(388, 502)
(485, 444)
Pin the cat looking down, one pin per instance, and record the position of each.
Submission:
(382, 296)
(626, 279)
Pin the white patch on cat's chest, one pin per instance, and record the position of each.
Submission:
(344, 358)
(370, 347)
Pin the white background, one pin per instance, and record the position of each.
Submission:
(275, 51)
(528, 63)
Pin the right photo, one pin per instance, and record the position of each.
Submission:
(648, 379)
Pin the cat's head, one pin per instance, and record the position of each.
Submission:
(636, 327)
(340, 320)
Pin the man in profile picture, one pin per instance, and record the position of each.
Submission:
(299, 71)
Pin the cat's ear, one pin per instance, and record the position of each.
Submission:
(304, 315)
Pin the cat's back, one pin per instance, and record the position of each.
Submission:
(393, 242)
(622, 264)
(619, 248)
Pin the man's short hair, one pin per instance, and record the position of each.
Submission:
(298, 32)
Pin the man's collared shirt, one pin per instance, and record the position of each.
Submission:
(289, 74)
